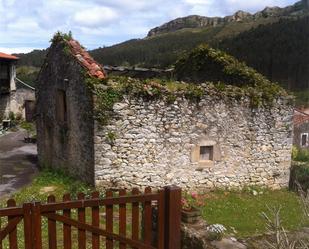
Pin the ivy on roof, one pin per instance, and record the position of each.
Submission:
(207, 64)
(112, 90)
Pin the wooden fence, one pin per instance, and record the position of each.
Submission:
(121, 220)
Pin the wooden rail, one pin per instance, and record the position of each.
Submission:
(121, 220)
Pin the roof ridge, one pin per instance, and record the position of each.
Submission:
(8, 56)
(94, 69)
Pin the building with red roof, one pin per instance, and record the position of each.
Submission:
(12, 98)
(9, 57)
(301, 129)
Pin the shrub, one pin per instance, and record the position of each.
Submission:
(300, 174)
(300, 155)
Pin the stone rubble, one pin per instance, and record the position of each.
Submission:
(155, 141)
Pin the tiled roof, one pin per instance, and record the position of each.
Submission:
(300, 117)
(8, 56)
(84, 58)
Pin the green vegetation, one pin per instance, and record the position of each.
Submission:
(49, 182)
(28, 74)
(112, 91)
(163, 50)
(29, 127)
(275, 47)
(240, 212)
(300, 169)
(300, 155)
(32, 59)
(300, 175)
(261, 91)
(208, 64)
(279, 51)
(302, 98)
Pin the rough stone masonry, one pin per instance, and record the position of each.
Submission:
(156, 144)
(217, 141)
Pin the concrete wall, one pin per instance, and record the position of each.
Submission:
(158, 144)
(65, 145)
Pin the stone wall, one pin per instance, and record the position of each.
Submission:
(65, 144)
(152, 143)
(4, 105)
(18, 98)
(15, 102)
(300, 129)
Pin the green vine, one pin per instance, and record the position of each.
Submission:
(208, 64)
(111, 137)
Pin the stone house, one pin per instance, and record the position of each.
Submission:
(124, 132)
(301, 129)
(14, 97)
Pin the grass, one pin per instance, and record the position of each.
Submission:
(58, 183)
(48, 182)
(240, 212)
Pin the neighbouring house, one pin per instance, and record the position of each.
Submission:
(124, 132)
(15, 97)
(301, 129)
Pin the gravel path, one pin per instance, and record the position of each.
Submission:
(18, 162)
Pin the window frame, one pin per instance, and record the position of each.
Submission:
(211, 153)
(301, 139)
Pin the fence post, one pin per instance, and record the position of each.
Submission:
(27, 225)
(172, 217)
(36, 225)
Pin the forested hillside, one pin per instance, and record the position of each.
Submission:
(273, 41)
(163, 50)
(280, 51)
(34, 58)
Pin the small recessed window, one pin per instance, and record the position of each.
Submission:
(304, 139)
(206, 153)
(61, 106)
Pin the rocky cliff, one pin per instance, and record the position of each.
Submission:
(195, 21)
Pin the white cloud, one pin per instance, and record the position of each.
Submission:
(95, 16)
(26, 24)
(16, 50)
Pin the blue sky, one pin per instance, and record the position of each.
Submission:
(29, 24)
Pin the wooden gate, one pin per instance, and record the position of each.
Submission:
(146, 220)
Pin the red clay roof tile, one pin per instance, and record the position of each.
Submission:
(94, 69)
(300, 117)
(8, 56)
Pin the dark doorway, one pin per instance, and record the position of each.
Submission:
(29, 110)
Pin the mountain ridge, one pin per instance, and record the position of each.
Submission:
(197, 21)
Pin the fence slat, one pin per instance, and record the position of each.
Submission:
(36, 225)
(135, 216)
(52, 231)
(27, 225)
(172, 217)
(147, 219)
(67, 237)
(168, 220)
(95, 213)
(160, 222)
(109, 221)
(82, 219)
(0, 230)
(122, 219)
(13, 233)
